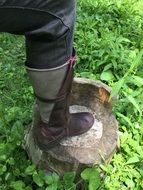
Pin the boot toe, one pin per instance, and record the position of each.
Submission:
(80, 123)
(89, 120)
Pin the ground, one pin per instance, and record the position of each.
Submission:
(109, 42)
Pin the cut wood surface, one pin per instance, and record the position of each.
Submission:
(94, 147)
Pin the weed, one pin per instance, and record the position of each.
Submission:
(109, 42)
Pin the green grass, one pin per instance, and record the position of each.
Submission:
(109, 42)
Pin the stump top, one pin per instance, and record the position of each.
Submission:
(98, 144)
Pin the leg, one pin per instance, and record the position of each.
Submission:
(49, 64)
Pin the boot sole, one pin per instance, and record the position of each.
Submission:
(50, 145)
(53, 144)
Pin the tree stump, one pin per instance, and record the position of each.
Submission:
(94, 147)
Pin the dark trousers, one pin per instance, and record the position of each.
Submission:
(48, 27)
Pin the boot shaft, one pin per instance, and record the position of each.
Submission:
(52, 87)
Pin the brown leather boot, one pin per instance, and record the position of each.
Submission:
(52, 88)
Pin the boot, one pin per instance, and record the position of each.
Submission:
(52, 88)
